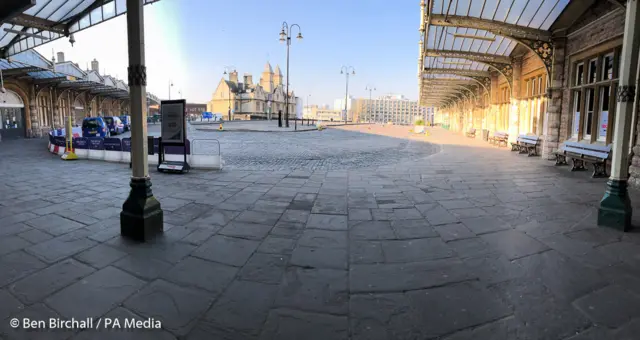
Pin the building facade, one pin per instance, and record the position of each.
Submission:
(248, 100)
(322, 113)
(389, 108)
(42, 94)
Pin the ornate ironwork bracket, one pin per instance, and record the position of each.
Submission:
(505, 69)
(485, 81)
(544, 49)
(626, 93)
(137, 75)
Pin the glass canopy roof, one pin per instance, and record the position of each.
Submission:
(534, 14)
(49, 20)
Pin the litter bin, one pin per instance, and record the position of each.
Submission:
(485, 135)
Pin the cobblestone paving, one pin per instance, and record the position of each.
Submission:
(331, 149)
(471, 242)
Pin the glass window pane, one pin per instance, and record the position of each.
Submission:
(576, 113)
(607, 64)
(593, 70)
(540, 85)
(579, 74)
(588, 118)
(533, 90)
(605, 93)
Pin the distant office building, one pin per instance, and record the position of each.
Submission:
(320, 113)
(389, 108)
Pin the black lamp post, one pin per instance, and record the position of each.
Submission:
(285, 36)
(370, 88)
(345, 70)
(228, 70)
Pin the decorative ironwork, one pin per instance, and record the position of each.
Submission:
(137, 75)
(599, 170)
(458, 72)
(578, 165)
(505, 69)
(544, 50)
(473, 56)
(495, 27)
(626, 93)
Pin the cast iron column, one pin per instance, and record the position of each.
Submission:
(141, 217)
(615, 208)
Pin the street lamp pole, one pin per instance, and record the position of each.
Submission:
(370, 88)
(285, 36)
(345, 70)
(228, 70)
(170, 85)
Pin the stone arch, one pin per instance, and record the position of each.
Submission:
(11, 99)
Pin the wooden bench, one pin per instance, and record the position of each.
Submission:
(526, 144)
(499, 138)
(581, 152)
(471, 133)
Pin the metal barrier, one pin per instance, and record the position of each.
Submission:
(203, 153)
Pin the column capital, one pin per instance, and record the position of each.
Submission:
(626, 93)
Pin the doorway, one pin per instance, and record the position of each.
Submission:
(12, 121)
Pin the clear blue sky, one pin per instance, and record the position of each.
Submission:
(188, 42)
(379, 38)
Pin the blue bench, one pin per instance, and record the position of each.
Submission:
(499, 138)
(582, 152)
(526, 144)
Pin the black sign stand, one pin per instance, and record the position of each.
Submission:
(174, 166)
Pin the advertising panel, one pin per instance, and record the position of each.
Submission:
(81, 143)
(96, 143)
(173, 121)
(112, 144)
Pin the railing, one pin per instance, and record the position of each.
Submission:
(206, 154)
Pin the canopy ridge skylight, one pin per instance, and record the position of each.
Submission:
(436, 87)
(539, 41)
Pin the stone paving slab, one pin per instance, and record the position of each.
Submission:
(346, 233)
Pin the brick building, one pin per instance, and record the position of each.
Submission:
(553, 69)
(40, 94)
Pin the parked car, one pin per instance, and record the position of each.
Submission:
(126, 121)
(115, 125)
(94, 127)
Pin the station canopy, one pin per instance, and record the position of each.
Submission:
(30, 23)
(26, 24)
(467, 39)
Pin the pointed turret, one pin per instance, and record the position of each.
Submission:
(266, 81)
(267, 68)
(277, 77)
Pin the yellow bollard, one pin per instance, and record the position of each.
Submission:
(69, 155)
(220, 128)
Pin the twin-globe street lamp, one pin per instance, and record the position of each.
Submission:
(345, 70)
(228, 70)
(285, 36)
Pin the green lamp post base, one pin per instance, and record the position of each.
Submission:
(615, 207)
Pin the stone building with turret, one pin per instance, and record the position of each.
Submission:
(245, 100)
